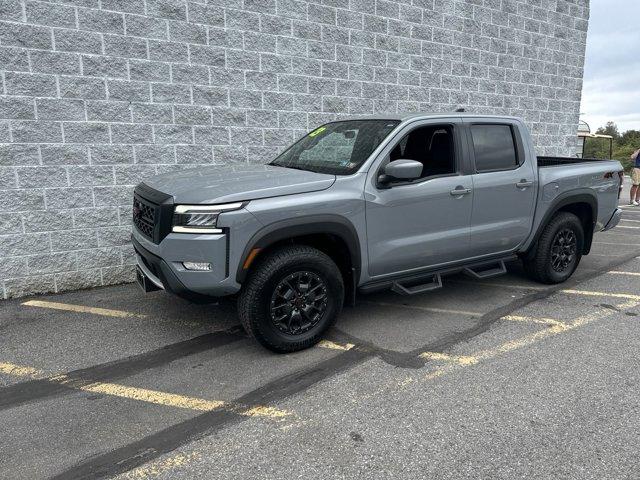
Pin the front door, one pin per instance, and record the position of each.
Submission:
(425, 222)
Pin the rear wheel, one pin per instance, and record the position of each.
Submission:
(292, 296)
(558, 251)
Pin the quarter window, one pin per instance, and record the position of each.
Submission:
(494, 147)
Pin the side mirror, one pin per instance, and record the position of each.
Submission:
(402, 169)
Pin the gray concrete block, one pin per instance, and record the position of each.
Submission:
(171, 9)
(95, 217)
(147, 27)
(207, 14)
(16, 245)
(90, 132)
(60, 109)
(82, 87)
(36, 132)
(47, 221)
(173, 134)
(122, 46)
(111, 154)
(192, 114)
(67, 40)
(64, 154)
(25, 36)
(33, 85)
(168, 93)
(55, 62)
(100, 21)
(108, 111)
(131, 133)
(152, 113)
(187, 32)
(128, 91)
(207, 55)
(189, 74)
(147, 71)
(14, 59)
(20, 287)
(164, 51)
(17, 108)
(79, 279)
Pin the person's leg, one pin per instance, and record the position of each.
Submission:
(634, 196)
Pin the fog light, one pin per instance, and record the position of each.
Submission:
(202, 267)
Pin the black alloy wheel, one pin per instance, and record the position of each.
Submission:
(563, 250)
(298, 303)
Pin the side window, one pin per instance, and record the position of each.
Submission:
(494, 147)
(433, 146)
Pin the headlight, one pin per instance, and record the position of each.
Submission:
(200, 218)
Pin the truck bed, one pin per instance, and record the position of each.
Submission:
(560, 175)
(559, 161)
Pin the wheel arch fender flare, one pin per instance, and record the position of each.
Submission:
(566, 199)
(302, 226)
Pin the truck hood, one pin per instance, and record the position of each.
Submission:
(213, 184)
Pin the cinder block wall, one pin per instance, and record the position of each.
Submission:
(98, 94)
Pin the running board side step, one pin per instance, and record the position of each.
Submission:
(487, 270)
(434, 283)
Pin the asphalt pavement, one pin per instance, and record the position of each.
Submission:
(498, 378)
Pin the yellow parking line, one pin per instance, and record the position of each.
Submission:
(445, 357)
(602, 294)
(144, 394)
(541, 320)
(82, 309)
(14, 370)
(335, 346)
(425, 309)
(633, 274)
(153, 396)
(525, 341)
(154, 469)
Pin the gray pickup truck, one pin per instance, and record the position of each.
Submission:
(386, 202)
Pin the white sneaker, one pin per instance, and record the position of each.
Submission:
(634, 203)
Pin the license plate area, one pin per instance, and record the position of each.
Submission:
(144, 282)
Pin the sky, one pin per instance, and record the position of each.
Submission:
(611, 89)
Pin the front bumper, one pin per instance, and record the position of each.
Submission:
(165, 269)
(614, 220)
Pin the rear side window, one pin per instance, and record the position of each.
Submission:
(494, 147)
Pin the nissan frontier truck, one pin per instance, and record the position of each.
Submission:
(385, 202)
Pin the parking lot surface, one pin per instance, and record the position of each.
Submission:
(500, 378)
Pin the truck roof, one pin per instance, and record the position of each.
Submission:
(419, 115)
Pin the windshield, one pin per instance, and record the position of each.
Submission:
(338, 148)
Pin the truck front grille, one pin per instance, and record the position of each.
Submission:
(152, 212)
(144, 216)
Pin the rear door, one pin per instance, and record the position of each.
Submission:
(504, 185)
(424, 222)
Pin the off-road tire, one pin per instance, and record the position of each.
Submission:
(539, 265)
(254, 301)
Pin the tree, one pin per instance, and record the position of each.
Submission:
(623, 144)
(610, 129)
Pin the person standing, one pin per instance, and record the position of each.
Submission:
(634, 198)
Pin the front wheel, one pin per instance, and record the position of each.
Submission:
(558, 251)
(292, 296)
